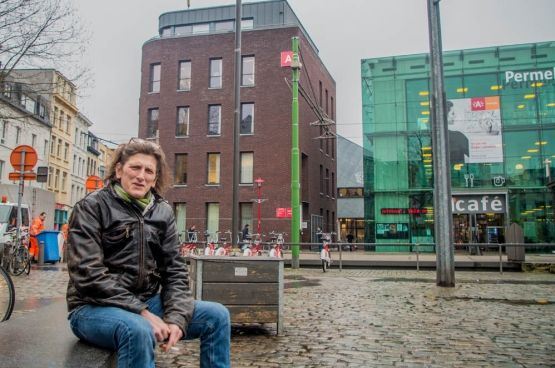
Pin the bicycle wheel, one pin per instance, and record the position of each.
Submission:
(7, 295)
(27, 261)
(324, 265)
(16, 262)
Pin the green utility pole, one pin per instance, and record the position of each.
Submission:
(295, 172)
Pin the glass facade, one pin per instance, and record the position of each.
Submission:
(501, 125)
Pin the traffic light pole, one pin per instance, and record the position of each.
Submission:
(295, 182)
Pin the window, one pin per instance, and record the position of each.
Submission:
(212, 216)
(180, 177)
(215, 73)
(245, 210)
(59, 150)
(155, 71)
(42, 111)
(1, 169)
(247, 24)
(3, 129)
(182, 126)
(66, 151)
(214, 119)
(56, 178)
(247, 167)
(64, 181)
(247, 118)
(184, 83)
(166, 32)
(201, 28)
(52, 144)
(45, 147)
(8, 90)
(180, 216)
(213, 168)
(226, 25)
(55, 116)
(181, 30)
(76, 135)
(247, 71)
(61, 120)
(68, 123)
(33, 140)
(152, 123)
(17, 134)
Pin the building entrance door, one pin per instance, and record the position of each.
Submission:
(478, 227)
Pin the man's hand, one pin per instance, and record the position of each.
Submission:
(175, 335)
(161, 329)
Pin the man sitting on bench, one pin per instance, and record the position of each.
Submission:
(124, 249)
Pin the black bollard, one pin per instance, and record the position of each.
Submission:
(41, 253)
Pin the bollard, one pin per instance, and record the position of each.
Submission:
(41, 253)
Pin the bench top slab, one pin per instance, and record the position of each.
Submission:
(43, 338)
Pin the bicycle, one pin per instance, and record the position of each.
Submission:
(277, 245)
(325, 254)
(19, 260)
(191, 247)
(257, 249)
(7, 295)
(211, 241)
(224, 249)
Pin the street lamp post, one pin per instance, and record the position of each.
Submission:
(259, 182)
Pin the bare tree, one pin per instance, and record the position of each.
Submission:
(37, 37)
(42, 34)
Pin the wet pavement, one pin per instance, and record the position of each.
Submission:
(376, 317)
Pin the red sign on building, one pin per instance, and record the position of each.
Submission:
(286, 58)
(284, 212)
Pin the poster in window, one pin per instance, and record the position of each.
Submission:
(475, 130)
(392, 231)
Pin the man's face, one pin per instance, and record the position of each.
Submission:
(138, 175)
(43, 217)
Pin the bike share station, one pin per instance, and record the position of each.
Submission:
(251, 288)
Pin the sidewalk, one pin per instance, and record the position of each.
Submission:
(374, 317)
(364, 259)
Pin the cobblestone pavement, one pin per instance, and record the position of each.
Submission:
(368, 318)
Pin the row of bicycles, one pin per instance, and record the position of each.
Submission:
(216, 246)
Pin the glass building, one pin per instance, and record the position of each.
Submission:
(501, 121)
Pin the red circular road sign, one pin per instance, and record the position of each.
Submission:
(93, 182)
(30, 160)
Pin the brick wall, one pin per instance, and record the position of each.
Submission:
(271, 141)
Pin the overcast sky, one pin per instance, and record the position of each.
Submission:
(345, 31)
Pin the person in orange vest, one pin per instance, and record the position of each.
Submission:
(36, 228)
(65, 228)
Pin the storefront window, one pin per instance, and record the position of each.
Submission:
(522, 158)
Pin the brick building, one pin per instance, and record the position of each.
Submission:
(187, 106)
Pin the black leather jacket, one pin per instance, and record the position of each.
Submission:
(118, 257)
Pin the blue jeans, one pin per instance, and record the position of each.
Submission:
(133, 338)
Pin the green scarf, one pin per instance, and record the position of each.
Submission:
(142, 203)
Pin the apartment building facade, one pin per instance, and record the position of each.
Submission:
(187, 106)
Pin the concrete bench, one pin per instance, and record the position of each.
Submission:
(43, 338)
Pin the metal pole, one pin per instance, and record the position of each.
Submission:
(258, 228)
(20, 194)
(295, 183)
(443, 221)
(236, 128)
